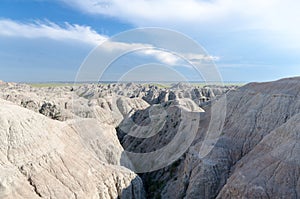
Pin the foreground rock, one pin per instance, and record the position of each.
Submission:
(276, 160)
(255, 156)
(44, 158)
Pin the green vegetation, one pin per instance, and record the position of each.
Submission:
(162, 85)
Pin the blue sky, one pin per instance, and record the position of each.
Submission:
(43, 40)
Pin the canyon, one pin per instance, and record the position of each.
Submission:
(82, 140)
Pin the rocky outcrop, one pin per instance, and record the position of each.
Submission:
(69, 102)
(44, 158)
(108, 103)
(151, 129)
(259, 128)
(246, 143)
(271, 169)
(153, 94)
(48, 110)
(253, 112)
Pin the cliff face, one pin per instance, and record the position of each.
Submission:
(44, 158)
(271, 169)
(246, 144)
(253, 112)
(254, 156)
(270, 165)
(61, 142)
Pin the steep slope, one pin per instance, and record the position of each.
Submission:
(276, 160)
(43, 158)
(255, 153)
(252, 113)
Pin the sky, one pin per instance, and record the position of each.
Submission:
(249, 40)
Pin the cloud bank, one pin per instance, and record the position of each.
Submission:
(268, 19)
(50, 30)
(255, 12)
(86, 35)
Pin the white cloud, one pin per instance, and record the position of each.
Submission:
(201, 57)
(123, 46)
(141, 11)
(163, 56)
(270, 19)
(50, 30)
(168, 11)
(85, 34)
(173, 59)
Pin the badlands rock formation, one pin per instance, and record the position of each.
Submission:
(70, 141)
(61, 142)
(255, 156)
(44, 158)
(108, 103)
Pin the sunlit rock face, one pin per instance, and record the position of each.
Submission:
(108, 103)
(256, 155)
(71, 141)
(44, 158)
(61, 142)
